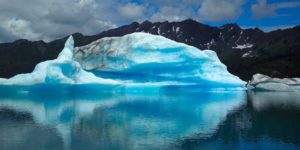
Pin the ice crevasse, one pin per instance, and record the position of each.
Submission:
(134, 60)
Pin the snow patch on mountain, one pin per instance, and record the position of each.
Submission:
(244, 46)
(247, 54)
(177, 29)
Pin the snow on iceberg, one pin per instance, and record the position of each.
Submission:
(266, 83)
(136, 60)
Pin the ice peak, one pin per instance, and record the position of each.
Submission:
(67, 52)
(70, 42)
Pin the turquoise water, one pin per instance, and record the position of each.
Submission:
(158, 120)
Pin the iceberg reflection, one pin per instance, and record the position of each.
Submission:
(127, 121)
(265, 100)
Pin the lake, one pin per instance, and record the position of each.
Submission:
(157, 120)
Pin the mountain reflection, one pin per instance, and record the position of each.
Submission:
(114, 121)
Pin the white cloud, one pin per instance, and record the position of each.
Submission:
(19, 28)
(171, 14)
(219, 10)
(132, 10)
(193, 2)
(51, 19)
(262, 9)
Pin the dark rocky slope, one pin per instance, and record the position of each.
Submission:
(244, 51)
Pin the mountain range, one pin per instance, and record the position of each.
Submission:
(244, 51)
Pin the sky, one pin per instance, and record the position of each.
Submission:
(52, 19)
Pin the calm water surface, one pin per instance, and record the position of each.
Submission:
(181, 120)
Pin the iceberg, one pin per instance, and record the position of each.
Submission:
(265, 83)
(134, 61)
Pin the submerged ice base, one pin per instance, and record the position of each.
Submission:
(137, 61)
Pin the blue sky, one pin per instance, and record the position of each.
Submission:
(281, 18)
(51, 19)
